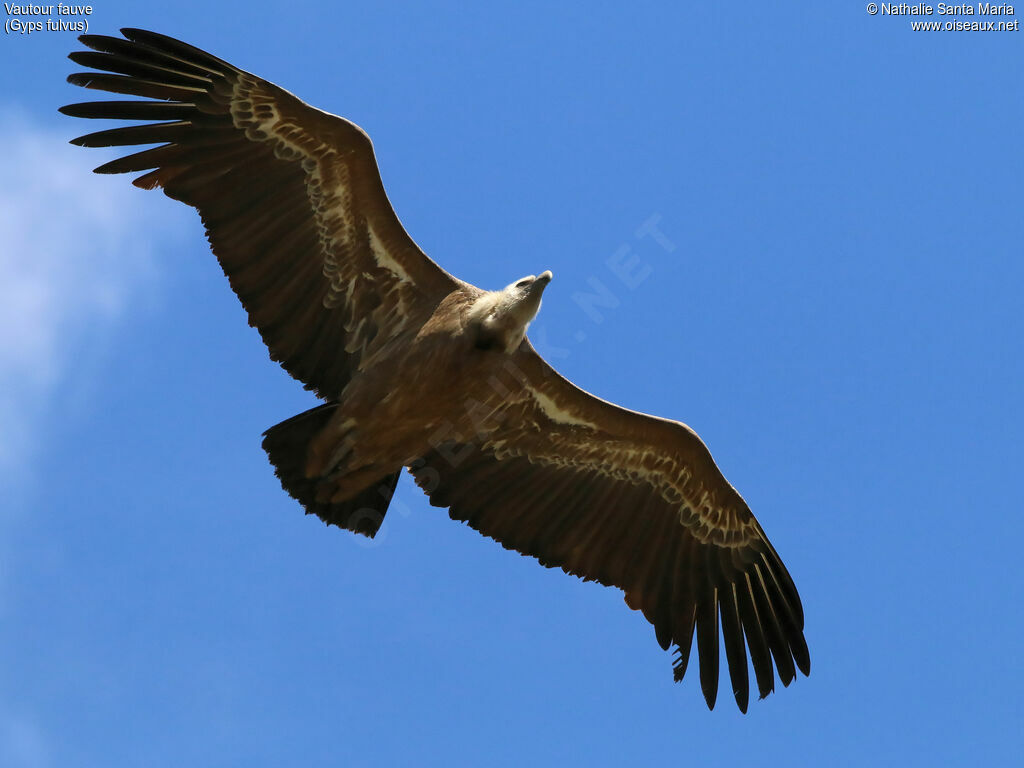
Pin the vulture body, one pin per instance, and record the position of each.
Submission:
(421, 370)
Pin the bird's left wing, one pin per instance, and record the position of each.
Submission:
(290, 196)
(627, 500)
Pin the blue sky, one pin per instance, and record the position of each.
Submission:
(834, 307)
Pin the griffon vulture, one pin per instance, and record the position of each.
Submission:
(419, 369)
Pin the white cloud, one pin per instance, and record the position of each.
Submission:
(76, 252)
(73, 252)
(23, 743)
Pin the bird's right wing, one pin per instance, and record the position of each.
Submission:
(291, 198)
(628, 500)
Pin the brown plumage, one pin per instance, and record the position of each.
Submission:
(421, 370)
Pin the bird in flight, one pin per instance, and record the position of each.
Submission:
(421, 370)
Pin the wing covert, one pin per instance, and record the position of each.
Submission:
(630, 501)
(290, 196)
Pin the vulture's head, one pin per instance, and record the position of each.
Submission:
(499, 319)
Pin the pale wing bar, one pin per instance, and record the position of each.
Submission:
(631, 501)
(290, 196)
(601, 528)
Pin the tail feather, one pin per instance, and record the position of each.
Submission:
(287, 445)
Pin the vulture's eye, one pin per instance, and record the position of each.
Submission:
(524, 282)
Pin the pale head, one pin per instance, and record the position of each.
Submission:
(499, 319)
